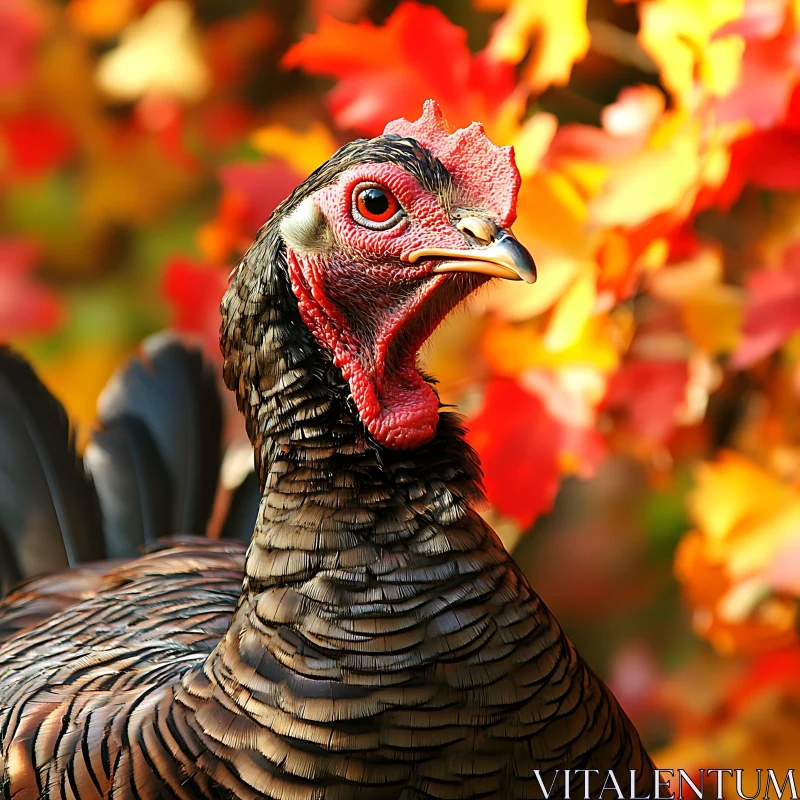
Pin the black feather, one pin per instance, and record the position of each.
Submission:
(133, 485)
(241, 519)
(10, 573)
(172, 390)
(49, 515)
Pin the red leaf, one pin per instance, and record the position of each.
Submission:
(767, 159)
(762, 94)
(21, 28)
(778, 669)
(225, 123)
(194, 291)
(260, 187)
(234, 46)
(388, 71)
(772, 311)
(25, 307)
(648, 394)
(36, 144)
(519, 445)
(250, 194)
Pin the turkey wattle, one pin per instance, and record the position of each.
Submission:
(383, 644)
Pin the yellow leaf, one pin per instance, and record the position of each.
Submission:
(571, 314)
(712, 311)
(513, 347)
(159, 53)
(720, 68)
(304, 150)
(746, 519)
(734, 492)
(550, 209)
(651, 182)
(555, 272)
(756, 550)
(679, 35)
(558, 30)
(532, 141)
(586, 177)
(713, 318)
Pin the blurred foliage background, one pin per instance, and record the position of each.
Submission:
(637, 411)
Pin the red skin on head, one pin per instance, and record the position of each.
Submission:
(371, 308)
(486, 175)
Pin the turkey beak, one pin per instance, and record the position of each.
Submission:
(497, 254)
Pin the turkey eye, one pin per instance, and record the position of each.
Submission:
(375, 207)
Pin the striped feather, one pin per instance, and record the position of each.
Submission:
(133, 485)
(171, 390)
(49, 516)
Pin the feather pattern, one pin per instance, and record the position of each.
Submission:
(171, 390)
(243, 510)
(49, 514)
(133, 485)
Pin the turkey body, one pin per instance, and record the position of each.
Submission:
(375, 641)
(424, 667)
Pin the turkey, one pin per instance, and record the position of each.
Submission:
(375, 641)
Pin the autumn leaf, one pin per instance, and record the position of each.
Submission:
(622, 256)
(711, 310)
(388, 71)
(100, 19)
(767, 159)
(671, 162)
(234, 46)
(531, 431)
(512, 348)
(21, 28)
(194, 291)
(556, 32)
(648, 394)
(514, 421)
(745, 516)
(769, 73)
(158, 53)
(26, 307)
(250, 193)
(685, 39)
(302, 150)
(34, 144)
(772, 310)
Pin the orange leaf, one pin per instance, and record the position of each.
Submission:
(251, 191)
(100, 19)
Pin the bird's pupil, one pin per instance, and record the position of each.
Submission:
(375, 201)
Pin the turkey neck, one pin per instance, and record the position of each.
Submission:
(349, 535)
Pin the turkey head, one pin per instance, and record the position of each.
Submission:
(379, 255)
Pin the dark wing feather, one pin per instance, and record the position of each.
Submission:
(172, 390)
(133, 485)
(243, 510)
(10, 573)
(49, 515)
